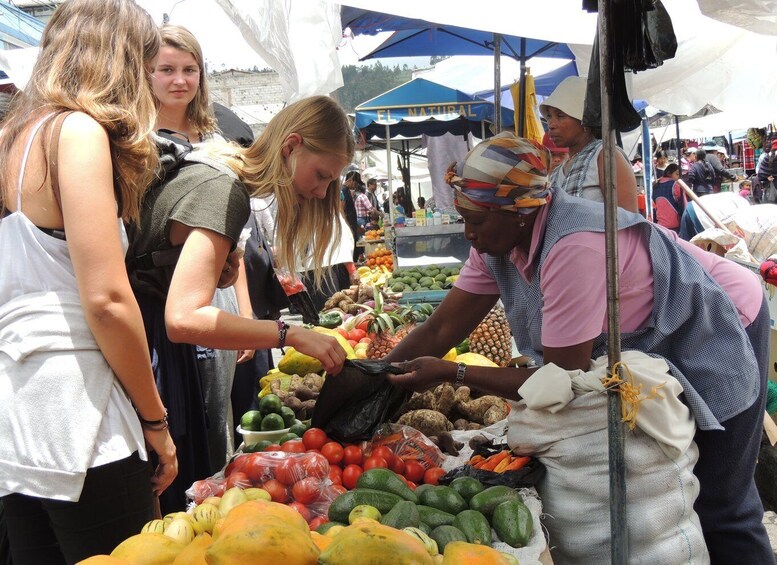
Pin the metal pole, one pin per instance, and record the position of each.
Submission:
(522, 91)
(390, 175)
(647, 167)
(497, 83)
(678, 142)
(616, 436)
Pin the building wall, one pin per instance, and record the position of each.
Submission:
(245, 88)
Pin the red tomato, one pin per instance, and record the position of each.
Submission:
(353, 455)
(432, 476)
(208, 487)
(293, 446)
(306, 490)
(314, 438)
(338, 489)
(302, 509)
(364, 324)
(374, 461)
(336, 475)
(365, 340)
(402, 477)
(351, 474)
(317, 521)
(412, 485)
(277, 490)
(257, 469)
(357, 334)
(383, 451)
(352, 342)
(397, 464)
(289, 471)
(315, 465)
(333, 452)
(414, 471)
(273, 447)
(237, 464)
(238, 479)
(342, 332)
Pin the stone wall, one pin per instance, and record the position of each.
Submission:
(245, 88)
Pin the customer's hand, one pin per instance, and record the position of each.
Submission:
(167, 469)
(423, 373)
(325, 348)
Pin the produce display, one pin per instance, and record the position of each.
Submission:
(431, 277)
(372, 235)
(380, 256)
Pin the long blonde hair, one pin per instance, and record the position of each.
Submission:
(309, 228)
(198, 112)
(95, 57)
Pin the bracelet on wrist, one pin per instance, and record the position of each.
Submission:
(155, 425)
(461, 370)
(283, 329)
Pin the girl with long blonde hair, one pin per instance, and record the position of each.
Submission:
(78, 404)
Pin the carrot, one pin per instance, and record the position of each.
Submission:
(503, 464)
(517, 463)
(494, 460)
(476, 459)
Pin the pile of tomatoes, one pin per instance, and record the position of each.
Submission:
(308, 473)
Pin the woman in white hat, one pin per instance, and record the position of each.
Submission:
(582, 174)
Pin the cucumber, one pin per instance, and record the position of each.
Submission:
(467, 487)
(475, 526)
(487, 500)
(513, 523)
(343, 504)
(443, 498)
(403, 515)
(326, 525)
(433, 517)
(445, 534)
(385, 480)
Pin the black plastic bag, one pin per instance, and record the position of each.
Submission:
(352, 405)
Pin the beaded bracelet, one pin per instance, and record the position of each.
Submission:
(155, 425)
(460, 372)
(283, 328)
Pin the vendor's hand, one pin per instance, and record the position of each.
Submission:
(325, 348)
(244, 355)
(230, 270)
(423, 373)
(167, 469)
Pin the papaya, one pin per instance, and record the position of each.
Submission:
(148, 549)
(248, 511)
(475, 526)
(103, 560)
(403, 515)
(475, 359)
(295, 363)
(487, 500)
(261, 538)
(443, 498)
(513, 523)
(194, 553)
(464, 553)
(349, 352)
(321, 540)
(370, 543)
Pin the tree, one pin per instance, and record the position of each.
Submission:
(361, 83)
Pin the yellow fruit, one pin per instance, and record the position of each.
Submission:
(320, 540)
(463, 553)
(103, 560)
(295, 363)
(232, 498)
(173, 515)
(181, 530)
(364, 511)
(451, 355)
(373, 543)
(214, 500)
(148, 549)
(154, 527)
(194, 553)
(475, 359)
(205, 517)
(334, 531)
(255, 493)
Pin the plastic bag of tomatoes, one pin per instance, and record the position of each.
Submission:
(300, 480)
(408, 444)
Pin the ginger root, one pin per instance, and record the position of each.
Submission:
(486, 410)
(428, 422)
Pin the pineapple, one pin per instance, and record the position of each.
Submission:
(492, 338)
(389, 325)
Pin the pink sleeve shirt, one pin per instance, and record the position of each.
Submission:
(574, 286)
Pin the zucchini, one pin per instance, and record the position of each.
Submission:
(475, 526)
(487, 500)
(433, 517)
(513, 523)
(445, 534)
(403, 515)
(385, 480)
(342, 505)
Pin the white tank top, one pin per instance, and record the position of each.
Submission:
(33, 261)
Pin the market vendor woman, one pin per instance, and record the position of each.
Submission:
(543, 253)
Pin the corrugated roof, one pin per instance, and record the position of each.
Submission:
(20, 25)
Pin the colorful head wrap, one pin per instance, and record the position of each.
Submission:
(505, 173)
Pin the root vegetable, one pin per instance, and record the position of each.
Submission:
(428, 422)
(475, 410)
(446, 443)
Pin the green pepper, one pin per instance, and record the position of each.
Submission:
(330, 319)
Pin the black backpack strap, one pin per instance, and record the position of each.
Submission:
(148, 261)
